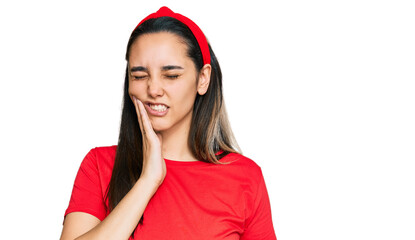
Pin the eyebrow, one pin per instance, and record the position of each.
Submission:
(170, 67)
(139, 69)
(164, 68)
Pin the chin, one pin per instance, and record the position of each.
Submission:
(159, 127)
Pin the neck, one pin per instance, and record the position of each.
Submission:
(175, 141)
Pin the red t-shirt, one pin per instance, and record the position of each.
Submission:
(196, 200)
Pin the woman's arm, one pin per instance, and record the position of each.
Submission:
(122, 220)
(119, 224)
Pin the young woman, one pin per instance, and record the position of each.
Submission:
(175, 173)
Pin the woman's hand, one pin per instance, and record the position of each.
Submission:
(154, 166)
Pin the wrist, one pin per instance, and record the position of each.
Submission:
(149, 182)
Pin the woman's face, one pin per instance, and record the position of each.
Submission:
(163, 78)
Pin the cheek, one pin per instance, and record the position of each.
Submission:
(184, 96)
(136, 89)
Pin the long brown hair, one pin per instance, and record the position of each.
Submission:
(210, 131)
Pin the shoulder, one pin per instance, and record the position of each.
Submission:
(245, 165)
(100, 158)
(104, 152)
(240, 160)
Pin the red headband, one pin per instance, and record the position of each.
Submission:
(197, 32)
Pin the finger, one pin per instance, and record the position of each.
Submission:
(147, 127)
(137, 109)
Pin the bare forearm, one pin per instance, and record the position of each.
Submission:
(122, 220)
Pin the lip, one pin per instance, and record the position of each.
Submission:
(153, 103)
(154, 112)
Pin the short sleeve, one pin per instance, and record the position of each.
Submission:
(86, 193)
(259, 225)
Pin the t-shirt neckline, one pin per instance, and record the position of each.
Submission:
(188, 163)
(184, 163)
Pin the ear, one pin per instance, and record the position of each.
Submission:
(204, 79)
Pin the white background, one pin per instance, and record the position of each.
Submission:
(319, 93)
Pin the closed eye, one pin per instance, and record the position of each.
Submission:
(172, 76)
(139, 77)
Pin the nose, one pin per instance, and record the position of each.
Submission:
(155, 87)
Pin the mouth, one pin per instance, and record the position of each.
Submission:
(156, 109)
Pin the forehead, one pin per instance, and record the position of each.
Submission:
(158, 49)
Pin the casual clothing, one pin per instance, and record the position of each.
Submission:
(196, 200)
